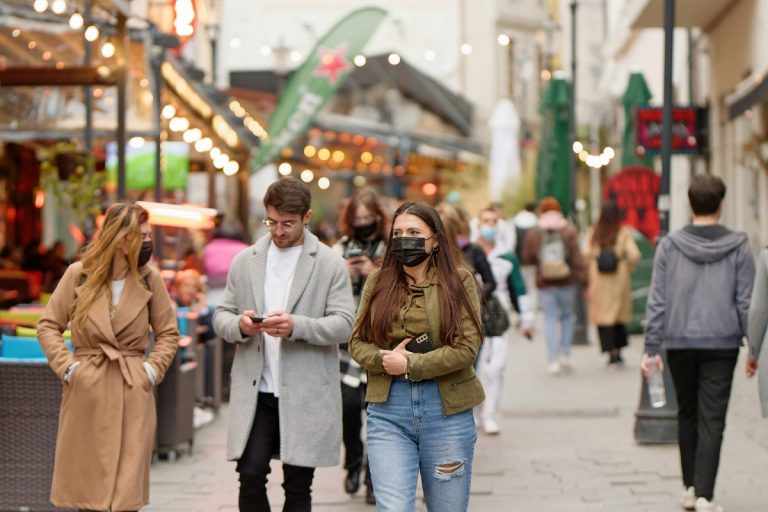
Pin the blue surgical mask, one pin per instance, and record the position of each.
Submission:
(488, 233)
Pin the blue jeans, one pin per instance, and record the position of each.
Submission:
(407, 435)
(557, 305)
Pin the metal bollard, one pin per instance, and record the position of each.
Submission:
(657, 425)
(580, 330)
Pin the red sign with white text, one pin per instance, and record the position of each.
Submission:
(689, 129)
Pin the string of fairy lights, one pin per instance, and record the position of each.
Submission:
(360, 151)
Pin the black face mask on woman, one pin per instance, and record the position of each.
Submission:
(364, 231)
(409, 250)
(145, 254)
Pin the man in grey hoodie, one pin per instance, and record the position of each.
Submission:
(697, 308)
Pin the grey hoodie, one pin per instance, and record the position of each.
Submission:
(700, 290)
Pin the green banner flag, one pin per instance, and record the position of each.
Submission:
(316, 81)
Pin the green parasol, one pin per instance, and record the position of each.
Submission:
(553, 163)
(637, 93)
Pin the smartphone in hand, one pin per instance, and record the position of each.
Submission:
(256, 319)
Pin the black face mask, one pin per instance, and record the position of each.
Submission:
(145, 254)
(364, 231)
(409, 250)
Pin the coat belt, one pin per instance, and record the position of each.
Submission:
(114, 354)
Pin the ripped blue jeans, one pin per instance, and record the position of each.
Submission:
(407, 435)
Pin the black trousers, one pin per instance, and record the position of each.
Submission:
(353, 402)
(264, 443)
(703, 381)
(612, 337)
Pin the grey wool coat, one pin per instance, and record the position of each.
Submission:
(320, 302)
(758, 327)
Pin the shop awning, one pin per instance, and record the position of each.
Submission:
(688, 13)
(209, 104)
(409, 80)
(443, 145)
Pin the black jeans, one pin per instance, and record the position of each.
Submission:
(353, 400)
(264, 443)
(703, 381)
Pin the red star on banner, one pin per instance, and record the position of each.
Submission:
(332, 63)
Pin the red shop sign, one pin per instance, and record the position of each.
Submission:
(689, 129)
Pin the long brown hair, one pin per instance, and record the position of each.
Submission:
(123, 222)
(370, 199)
(391, 287)
(607, 228)
(455, 225)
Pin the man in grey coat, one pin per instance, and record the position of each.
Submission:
(697, 308)
(287, 305)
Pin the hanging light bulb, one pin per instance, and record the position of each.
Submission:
(59, 6)
(204, 144)
(40, 5)
(108, 50)
(76, 21)
(231, 168)
(91, 33)
(169, 111)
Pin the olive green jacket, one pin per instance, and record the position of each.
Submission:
(450, 366)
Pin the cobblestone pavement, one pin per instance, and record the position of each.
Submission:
(566, 445)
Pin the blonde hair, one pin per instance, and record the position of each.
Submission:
(122, 222)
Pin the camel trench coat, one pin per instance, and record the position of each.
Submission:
(107, 418)
(610, 295)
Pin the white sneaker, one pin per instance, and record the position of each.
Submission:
(704, 505)
(689, 498)
(553, 368)
(201, 417)
(565, 362)
(491, 427)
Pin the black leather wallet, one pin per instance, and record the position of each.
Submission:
(421, 344)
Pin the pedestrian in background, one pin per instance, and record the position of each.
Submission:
(697, 309)
(465, 252)
(611, 254)
(510, 290)
(287, 305)
(365, 227)
(417, 335)
(107, 419)
(758, 329)
(506, 234)
(553, 247)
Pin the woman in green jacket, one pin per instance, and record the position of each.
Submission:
(421, 397)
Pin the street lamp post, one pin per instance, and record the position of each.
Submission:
(580, 333)
(659, 425)
(572, 116)
(213, 30)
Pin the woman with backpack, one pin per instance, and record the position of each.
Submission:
(553, 246)
(612, 255)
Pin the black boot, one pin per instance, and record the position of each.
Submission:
(352, 482)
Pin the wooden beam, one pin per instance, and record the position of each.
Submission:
(49, 76)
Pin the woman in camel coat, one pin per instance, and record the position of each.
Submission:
(609, 293)
(107, 419)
